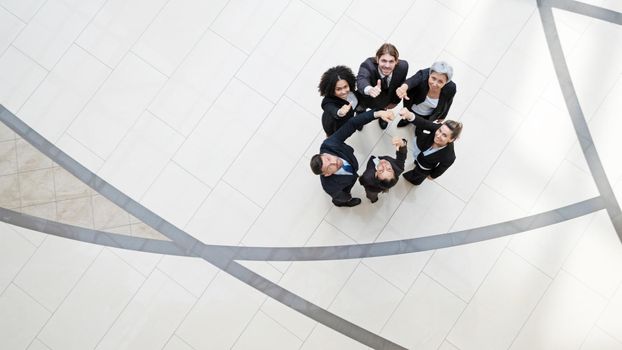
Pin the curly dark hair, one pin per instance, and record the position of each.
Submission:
(329, 80)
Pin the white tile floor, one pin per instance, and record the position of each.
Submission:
(207, 112)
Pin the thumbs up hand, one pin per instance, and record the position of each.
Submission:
(375, 91)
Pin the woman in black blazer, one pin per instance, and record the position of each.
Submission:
(340, 99)
(429, 93)
(434, 151)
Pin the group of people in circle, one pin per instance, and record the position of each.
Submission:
(349, 102)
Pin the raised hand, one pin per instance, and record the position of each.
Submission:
(375, 91)
(398, 142)
(402, 92)
(387, 116)
(406, 114)
(344, 110)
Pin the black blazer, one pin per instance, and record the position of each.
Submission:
(418, 89)
(331, 121)
(369, 180)
(339, 186)
(438, 161)
(368, 75)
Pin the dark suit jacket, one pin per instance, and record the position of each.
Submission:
(368, 76)
(339, 186)
(418, 89)
(438, 161)
(331, 121)
(369, 180)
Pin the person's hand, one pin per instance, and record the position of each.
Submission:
(430, 177)
(398, 142)
(375, 91)
(402, 92)
(344, 110)
(406, 114)
(387, 116)
(439, 121)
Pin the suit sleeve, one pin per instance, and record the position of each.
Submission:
(425, 124)
(447, 101)
(351, 125)
(330, 108)
(414, 80)
(441, 167)
(363, 77)
(400, 156)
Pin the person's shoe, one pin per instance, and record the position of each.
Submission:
(402, 123)
(353, 202)
(383, 124)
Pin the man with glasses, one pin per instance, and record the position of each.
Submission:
(336, 163)
(383, 172)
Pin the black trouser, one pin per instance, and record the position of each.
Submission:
(416, 176)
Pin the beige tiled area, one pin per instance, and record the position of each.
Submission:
(31, 183)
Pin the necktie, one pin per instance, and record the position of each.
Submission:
(384, 85)
(348, 168)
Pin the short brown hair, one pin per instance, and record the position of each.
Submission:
(316, 164)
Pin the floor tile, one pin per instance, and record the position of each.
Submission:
(110, 282)
(198, 82)
(326, 338)
(224, 217)
(175, 185)
(609, 321)
(64, 93)
(194, 274)
(24, 9)
(269, 70)
(244, 24)
(20, 76)
(209, 323)
(523, 170)
(151, 317)
(489, 30)
(424, 317)
(54, 270)
(116, 106)
(15, 251)
(175, 30)
(501, 305)
(22, 318)
(366, 299)
(10, 26)
(597, 257)
(563, 318)
(116, 27)
(463, 268)
(599, 340)
(53, 29)
(264, 333)
(269, 156)
(485, 119)
(202, 153)
(141, 155)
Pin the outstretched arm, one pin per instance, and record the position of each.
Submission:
(347, 129)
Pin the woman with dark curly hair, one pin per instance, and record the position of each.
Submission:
(340, 100)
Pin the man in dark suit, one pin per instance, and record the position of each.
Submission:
(383, 172)
(378, 78)
(434, 151)
(336, 163)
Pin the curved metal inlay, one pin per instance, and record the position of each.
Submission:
(224, 256)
